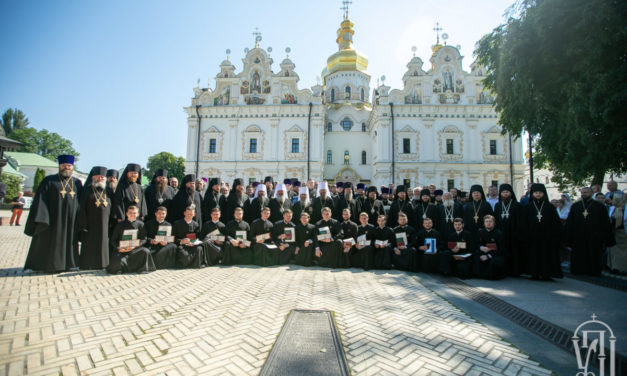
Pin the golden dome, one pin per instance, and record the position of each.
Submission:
(347, 58)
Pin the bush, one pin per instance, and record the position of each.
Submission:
(14, 185)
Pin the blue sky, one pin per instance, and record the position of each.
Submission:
(113, 76)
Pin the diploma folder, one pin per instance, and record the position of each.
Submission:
(324, 233)
(215, 236)
(290, 234)
(164, 234)
(401, 239)
(492, 246)
(431, 245)
(461, 245)
(129, 239)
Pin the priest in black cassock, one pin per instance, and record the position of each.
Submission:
(129, 192)
(346, 201)
(264, 250)
(191, 252)
(349, 231)
(475, 209)
(213, 198)
(457, 256)
(163, 251)
(235, 251)
(286, 245)
(236, 199)
(93, 221)
(187, 196)
(381, 256)
(509, 219)
(158, 193)
(329, 249)
(401, 204)
(588, 231)
(372, 206)
(52, 220)
(257, 204)
(489, 258)
(213, 245)
(305, 240)
(425, 208)
(544, 235)
(447, 212)
(428, 260)
(112, 183)
(404, 252)
(322, 200)
(279, 203)
(132, 258)
(365, 232)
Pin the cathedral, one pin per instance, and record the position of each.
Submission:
(440, 128)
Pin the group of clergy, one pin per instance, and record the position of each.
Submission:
(125, 228)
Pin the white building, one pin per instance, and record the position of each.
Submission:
(440, 128)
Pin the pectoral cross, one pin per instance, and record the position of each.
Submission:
(72, 193)
(539, 216)
(585, 213)
(136, 200)
(97, 203)
(104, 203)
(476, 217)
(424, 216)
(63, 192)
(504, 215)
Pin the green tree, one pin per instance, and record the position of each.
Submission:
(13, 119)
(14, 185)
(40, 174)
(174, 165)
(43, 142)
(559, 71)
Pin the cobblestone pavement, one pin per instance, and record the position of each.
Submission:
(224, 320)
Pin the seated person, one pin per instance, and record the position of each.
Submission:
(428, 258)
(382, 253)
(404, 246)
(213, 243)
(132, 258)
(279, 234)
(457, 258)
(489, 258)
(264, 250)
(163, 251)
(349, 231)
(191, 251)
(329, 249)
(305, 241)
(236, 250)
(365, 232)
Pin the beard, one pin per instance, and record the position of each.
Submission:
(100, 185)
(281, 199)
(160, 186)
(113, 185)
(65, 173)
(189, 190)
(448, 203)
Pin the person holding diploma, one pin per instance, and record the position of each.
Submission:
(284, 236)
(456, 259)
(237, 250)
(191, 252)
(306, 241)
(404, 246)
(329, 245)
(349, 230)
(428, 256)
(160, 240)
(489, 259)
(264, 249)
(128, 254)
(213, 232)
(381, 256)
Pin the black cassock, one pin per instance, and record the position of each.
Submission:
(237, 255)
(359, 257)
(127, 194)
(299, 207)
(401, 206)
(284, 256)
(331, 251)
(374, 208)
(407, 259)
(588, 235)
(214, 250)
(429, 262)
(494, 266)
(352, 204)
(317, 204)
(305, 233)
(277, 209)
(510, 220)
(93, 227)
(446, 215)
(349, 230)
(189, 256)
(212, 200)
(473, 215)
(448, 264)
(164, 256)
(423, 211)
(233, 201)
(543, 240)
(51, 223)
(253, 210)
(138, 260)
(181, 201)
(262, 253)
(154, 199)
(381, 258)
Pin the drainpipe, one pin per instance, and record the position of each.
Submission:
(309, 140)
(511, 162)
(198, 143)
(393, 137)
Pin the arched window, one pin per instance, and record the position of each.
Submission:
(363, 157)
(346, 124)
(347, 92)
(347, 158)
(363, 95)
(332, 95)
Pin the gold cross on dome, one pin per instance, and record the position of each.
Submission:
(345, 4)
(257, 36)
(437, 30)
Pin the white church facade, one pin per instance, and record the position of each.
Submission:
(440, 128)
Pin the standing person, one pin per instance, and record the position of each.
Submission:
(457, 258)
(268, 181)
(447, 212)
(305, 240)
(264, 250)
(372, 206)
(476, 209)
(163, 252)
(279, 203)
(286, 245)
(213, 198)
(346, 201)
(187, 196)
(129, 192)
(191, 252)
(404, 253)
(524, 200)
(588, 231)
(490, 255)
(132, 258)
(235, 200)
(236, 252)
(361, 193)
(510, 220)
(213, 246)
(401, 204)
(329, 249)
(174, 183)
(200, 187)
(322, 200)
(51, 221)
(257, 204)
(17, 209)
(425, 209)
(158, 193)
(544, 235)
(112, 182)
(493, 196)
(93, 221)
(363, 249)
(303, 205)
